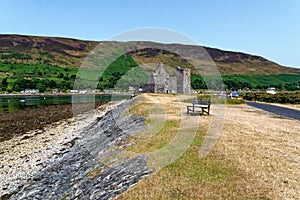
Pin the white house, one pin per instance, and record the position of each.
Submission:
(271, 90)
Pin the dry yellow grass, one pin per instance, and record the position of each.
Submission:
(257, 157)
(163, 122)
(266, 148)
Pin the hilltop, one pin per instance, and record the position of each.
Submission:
(58, 59)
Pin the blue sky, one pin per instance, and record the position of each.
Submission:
(269, 28)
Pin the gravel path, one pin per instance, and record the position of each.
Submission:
(286, 112)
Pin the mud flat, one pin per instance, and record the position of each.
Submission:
(32, 118)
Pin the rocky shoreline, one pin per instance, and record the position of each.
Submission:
(64, 161)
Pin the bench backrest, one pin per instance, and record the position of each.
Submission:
(202, 101)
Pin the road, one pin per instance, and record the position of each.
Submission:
(286, 112)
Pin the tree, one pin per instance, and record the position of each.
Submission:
(73, 76)
(60, 75)
(9, 89)
(41, 87)
(66, 78)
(4, 82)
(52, 84)
(19, 85)
(65, 85)
(198, 84)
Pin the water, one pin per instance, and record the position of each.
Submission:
(12, 103)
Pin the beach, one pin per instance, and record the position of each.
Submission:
(25, 153)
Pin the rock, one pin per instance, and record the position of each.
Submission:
(81, 171)
(78, 193)
(32, 193)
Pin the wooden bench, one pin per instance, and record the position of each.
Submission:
(199, 106)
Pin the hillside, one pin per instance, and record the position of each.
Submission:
(58, 59)
(63, 52)
(66, 52)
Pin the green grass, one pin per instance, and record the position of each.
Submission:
(35, 70)
(235, 101)
(161, 139)
(14, 73)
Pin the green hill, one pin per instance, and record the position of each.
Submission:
(39, 62)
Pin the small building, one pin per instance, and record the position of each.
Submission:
(74, 91)
(161, 82)
(30, 91)
(83, 91)
(271, 90)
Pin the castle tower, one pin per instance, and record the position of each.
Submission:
(183, 80)
(161, 79)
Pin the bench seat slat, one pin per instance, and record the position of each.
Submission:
(200, 106)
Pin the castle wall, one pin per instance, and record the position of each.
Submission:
(173, 84)
(162, 79)
(186, 81)
(183, 80)
(160, 82)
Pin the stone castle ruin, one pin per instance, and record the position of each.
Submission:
(161, 82)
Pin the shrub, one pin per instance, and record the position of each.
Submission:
(235, 101)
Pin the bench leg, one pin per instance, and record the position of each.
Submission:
(205, 111)
(188, 110)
